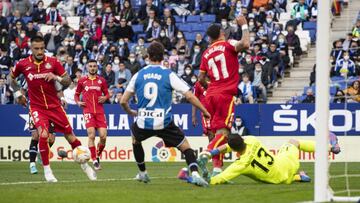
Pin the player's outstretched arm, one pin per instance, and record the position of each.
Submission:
(193, 115)
(195, 101)
(244, 43)
(64, 80)
(124, 102)
(20, 98)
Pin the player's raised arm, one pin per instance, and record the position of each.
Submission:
(244, 43)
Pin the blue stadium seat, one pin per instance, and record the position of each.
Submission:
(27, 19)
(333, 90)
(309, 25)
(193, 19)
(336, 78)
(137, 28)
(187, 35)
(185, 27)
(142, 35)
(191, 37)
(198, 27)
(178, 19)
(208, 18)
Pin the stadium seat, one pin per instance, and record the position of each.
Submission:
(185, 27)
(195, 27)
(142, 35)
(44, 29)
(137, 28)
(179, 19)
(309, 25)
(333, 90)
(27, 19)
(208, 18)
(193, 19)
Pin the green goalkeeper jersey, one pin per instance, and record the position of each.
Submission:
(259, 164)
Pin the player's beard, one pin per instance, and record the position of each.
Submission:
(39, 57)
(93, 73)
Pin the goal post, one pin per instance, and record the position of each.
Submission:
(321, 186)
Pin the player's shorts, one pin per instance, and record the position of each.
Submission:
(221, 109)
(172, 135)
(288, 158)
(32, 127)
(95, 120)
(43, 118)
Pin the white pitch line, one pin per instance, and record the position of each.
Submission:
(79, 181)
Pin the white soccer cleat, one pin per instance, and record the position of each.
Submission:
(50, 178)
(91, 174)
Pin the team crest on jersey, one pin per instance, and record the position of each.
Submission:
(48, 66)
(86, 88)
(99, 81)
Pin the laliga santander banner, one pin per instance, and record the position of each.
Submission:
(120, 149)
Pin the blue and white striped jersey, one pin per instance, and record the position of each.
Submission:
(153, 86)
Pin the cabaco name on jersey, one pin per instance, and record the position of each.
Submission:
(290, 120)
(121, 121)
(152, 76)
(214, 49)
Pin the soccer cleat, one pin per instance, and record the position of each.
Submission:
(33, 169)
(335, 148)
(202, 161)
(184, 175)
(199, 181)
(49, 177)
(216, 171)
(91, 174)
(96, 165)
(304, 177)
(142, 177)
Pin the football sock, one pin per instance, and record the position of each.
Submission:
(51, 144)
(33, 150)
(93, 152)
(75, 144)
(44, 150)
(139, 156)
(191, 159)
(218, 140)
(307, 145)
(100, 149)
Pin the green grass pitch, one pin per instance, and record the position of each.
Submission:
(115, 184)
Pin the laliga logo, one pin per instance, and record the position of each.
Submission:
(160, 153)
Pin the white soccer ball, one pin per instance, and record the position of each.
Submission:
(81, 154)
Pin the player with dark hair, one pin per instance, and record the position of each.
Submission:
(94, 91)
(258, 163)
(153, 86)
(220, 63)
(40, 73)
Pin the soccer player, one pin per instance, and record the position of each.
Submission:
(259, 164)
(220, 63)
(153, 86)
(40, 73)
(94, 91)
(200, 92)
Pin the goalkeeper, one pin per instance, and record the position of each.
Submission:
(259, 164)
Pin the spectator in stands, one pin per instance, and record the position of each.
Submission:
(24, 7)
(14, 51)
(313, 10)
(81, 64)
(313, 76)
(356, 29)
(104, 45)
(345, 67)
(259, 81)
(109, 75)
(354, 50)
(127, 13)
(170, 29)
(122, 50)
(183, 46)
(164, 40)
(269, 25)
(22, 40)
(310, 98)
(70, 66)
(124, 73)
(133, 64)
(69, 93)
(299, 13)
(352, 93)
(67, 7)
(199, 41)
(5, 93)
(53, 16)
(166, 14)
(154, 32)
(91, 19)
(5, 60)
(337, 52)
(106, 16)
(139, 49)
(179, 68)
(62, 55)
(125, 31)
(4, 38)
(235, 9)
(256, 53)
(198, 7)
(15, 32)
(245, 91)
(195, 57)
(226, 28)
(147, 10)
(293, 41)
(262, 34)
(5, 9)
(223, 11)
(188, 74)
(30, 31)
(346, 43)
(111, 31)
(275, 58)
(52, 40)
(238, 127)
(86, 41)
(247, 64)
(148, 22)
(39, 13)
(116, 66)
(79, 54)
(82, 9)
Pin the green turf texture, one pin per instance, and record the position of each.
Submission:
(164, 188)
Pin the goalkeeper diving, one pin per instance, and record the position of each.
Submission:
(256, 162)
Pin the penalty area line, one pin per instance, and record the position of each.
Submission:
(78, 181)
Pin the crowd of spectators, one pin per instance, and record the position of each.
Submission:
(106, 33)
